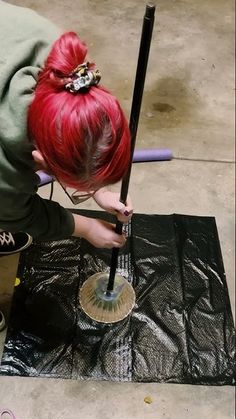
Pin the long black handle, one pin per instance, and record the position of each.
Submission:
(145, 43)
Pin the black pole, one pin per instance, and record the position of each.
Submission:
(145, 43)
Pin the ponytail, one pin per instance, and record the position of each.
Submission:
(67, 53)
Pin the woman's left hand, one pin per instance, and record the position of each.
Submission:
(110, 202)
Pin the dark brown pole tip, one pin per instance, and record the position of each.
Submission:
(150, 10)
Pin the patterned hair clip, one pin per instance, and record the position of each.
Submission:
(83, 78)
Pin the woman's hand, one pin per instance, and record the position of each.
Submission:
(99, 233)
(110, 202)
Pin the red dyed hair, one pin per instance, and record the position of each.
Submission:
(84, 137)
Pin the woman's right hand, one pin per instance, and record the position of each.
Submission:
(99, 233)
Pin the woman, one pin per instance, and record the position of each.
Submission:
(55, 116)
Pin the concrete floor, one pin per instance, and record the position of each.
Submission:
(188, 106)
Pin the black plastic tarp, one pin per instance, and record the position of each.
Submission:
(181, 329)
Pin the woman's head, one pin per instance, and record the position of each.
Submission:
(83, 136)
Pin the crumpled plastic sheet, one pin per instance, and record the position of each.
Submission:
(180, 331)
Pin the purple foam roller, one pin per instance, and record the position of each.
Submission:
(152, 154)
(45, 179)
(140, 156)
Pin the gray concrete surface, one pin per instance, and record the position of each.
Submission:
(188, 106)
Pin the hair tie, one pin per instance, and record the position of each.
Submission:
(83, 78)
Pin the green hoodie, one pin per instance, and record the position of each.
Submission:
(25, 41)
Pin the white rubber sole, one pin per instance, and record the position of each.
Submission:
(29, 242)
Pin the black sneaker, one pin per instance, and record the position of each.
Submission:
(2, 321)
(13, 243)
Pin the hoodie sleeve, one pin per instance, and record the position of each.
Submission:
(25, 41)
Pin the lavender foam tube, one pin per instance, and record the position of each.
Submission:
(152, 154)
(44, 178)
(140, 156)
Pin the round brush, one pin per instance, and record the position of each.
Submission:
(109, 298)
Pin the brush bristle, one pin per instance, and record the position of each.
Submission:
(103, 308)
